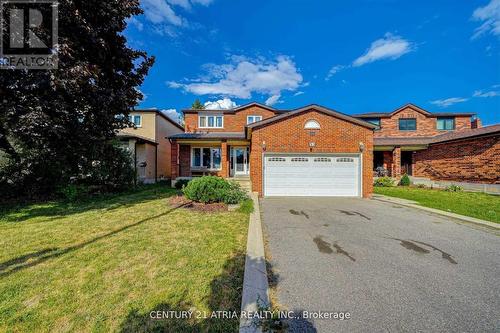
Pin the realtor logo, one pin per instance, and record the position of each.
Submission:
(28, 34)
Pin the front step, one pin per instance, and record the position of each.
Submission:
(245, 183)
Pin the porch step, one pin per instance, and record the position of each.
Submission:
(245, 183)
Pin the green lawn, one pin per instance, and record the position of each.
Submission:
(104, 265)
(479, 205)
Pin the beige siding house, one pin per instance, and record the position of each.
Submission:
(148, 144)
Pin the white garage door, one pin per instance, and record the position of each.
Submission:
(312, 175)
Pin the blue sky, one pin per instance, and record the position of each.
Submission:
(352, 56)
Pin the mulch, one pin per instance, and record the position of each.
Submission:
(178, 201)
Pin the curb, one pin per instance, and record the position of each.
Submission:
(255, 285)
(413, 204)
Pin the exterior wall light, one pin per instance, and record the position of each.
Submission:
(361, 147)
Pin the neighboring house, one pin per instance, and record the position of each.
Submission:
(311, 151)
(437, 146)
(147, 143)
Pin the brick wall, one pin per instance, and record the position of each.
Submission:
(335, 136)
(473, 160)
(233, 122)
(426, 126)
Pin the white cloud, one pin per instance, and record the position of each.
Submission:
(172, 114)
(389, 47)
(159, 11)
(334, 70)
(243, 76)
(274, 99)
(489, 16)
(298, 93)
(443, 103)
(480, 93)
(221, 104)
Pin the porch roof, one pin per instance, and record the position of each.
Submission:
(209, 135)
(402, 141)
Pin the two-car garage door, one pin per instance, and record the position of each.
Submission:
(312, 175)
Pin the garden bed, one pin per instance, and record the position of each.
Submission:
(181, 201)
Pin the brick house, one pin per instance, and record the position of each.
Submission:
(316, 151)
(310, 151)
(436, 146)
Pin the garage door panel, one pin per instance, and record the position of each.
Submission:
(310, 175)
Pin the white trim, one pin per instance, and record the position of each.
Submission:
(312, 124)
(201, 167)
(246, 165)
(253, 115)
(133, 115)
(206, 116)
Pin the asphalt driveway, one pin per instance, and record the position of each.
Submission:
(394, 269)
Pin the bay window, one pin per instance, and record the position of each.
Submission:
(210, 121)
(206, 158)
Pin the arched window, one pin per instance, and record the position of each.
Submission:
(312, 124)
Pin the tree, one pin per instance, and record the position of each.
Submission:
(52, 121)
(197, 105)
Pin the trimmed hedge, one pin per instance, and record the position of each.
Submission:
(384, 182)
(405, 180)
(211, 189)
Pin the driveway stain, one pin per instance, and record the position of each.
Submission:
(294, 212)
(412, 245)
(444, 255)
(340, 250)
(326, 225)
(323, 247)
(346, 212)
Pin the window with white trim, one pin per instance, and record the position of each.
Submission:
(210, 121)
(135, 119)
(206, 158)
(312, 124)
(253, 119)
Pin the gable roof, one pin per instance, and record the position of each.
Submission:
(465, 134)
(161, 114)
(236, 109)
(413, 107)
(314, 107)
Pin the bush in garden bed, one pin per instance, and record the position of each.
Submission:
(211, 189)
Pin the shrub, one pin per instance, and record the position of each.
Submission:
(246, 206)
(454, 188)
(384, 182)
(405, 180)
(421, 186)
(181, 183)
(211, 189)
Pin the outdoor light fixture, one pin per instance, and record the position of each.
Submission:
(263, 145)
(361, 147)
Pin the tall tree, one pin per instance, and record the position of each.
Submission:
(55, 124)
(197, 105)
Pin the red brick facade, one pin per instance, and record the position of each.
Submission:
(233, 122)
(335, 136)
(426, 125)
(472, 160)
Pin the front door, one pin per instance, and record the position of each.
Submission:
(240, 161)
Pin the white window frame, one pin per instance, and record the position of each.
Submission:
(214, 116)
(312, 124)
(200, 167)
(131, 119)
(253, 116)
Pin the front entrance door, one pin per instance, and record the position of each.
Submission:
(406, 162)
(240, 161)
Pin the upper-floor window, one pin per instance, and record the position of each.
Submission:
(374, 121)
(446, 123)
(407, 124)
(136, 119)
(253, 119)
(210, 121)
(312, 124)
